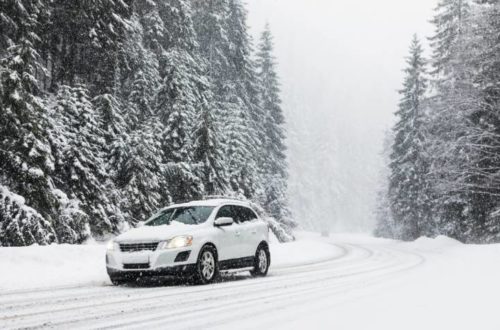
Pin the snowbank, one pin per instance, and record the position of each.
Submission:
(308, 248)
(455, 287)
(65, 265)
(433, 244)
(55, 265)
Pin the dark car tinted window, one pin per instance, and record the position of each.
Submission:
(226, 212)
(238, 214)
(244, 214)
(250, 215)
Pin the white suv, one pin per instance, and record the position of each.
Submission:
(194, 240)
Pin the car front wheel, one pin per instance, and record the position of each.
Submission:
(207, 268)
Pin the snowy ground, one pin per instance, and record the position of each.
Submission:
(344, 282)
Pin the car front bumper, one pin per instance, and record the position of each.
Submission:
(151, 263)
(175, 271)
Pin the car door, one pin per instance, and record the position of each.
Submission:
(247, 235)
(229, 236)
(255, 229)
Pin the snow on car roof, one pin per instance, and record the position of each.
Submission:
(210, 202)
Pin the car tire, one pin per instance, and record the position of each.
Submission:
(207, 266)
(262, 261)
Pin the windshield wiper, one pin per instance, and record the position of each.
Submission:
(192, 217)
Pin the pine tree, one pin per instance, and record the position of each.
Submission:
(449, 21)
(210, 19)
(20, 225)
(181, 97)
(240, 150)
(113, 108)
(208, 153)
(454, 128)
(243, 147)
(108, 108)
(386, 227)
(409, 189)
(137, 160)
(80, 166)
(486, 72)
(152, 24)
(211, 26)
(140, 76)
(224, 40)
(26, 161)
(274, 167)
(86, 38)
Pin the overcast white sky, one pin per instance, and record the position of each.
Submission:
(340, 64)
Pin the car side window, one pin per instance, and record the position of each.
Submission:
(244, 214)
(250, 214)
(239, 214)
(225, 212)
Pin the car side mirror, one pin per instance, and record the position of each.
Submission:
(140, 224)
(223, 221)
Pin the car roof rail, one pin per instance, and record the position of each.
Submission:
(208, 197)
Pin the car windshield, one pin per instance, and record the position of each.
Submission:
(192, 215)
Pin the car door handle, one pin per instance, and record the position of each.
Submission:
(254, 231)
(237, 233)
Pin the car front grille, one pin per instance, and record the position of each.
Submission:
(135, 266)
(135, 247)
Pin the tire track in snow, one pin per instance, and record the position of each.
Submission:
(282, 288)
(42, 308)
(278, 301)
(80, 293)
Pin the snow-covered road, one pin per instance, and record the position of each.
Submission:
(288, 294)
(344, 282)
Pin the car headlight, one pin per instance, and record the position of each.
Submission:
(177, 242)
(110, 246)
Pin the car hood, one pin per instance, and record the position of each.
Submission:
(158, 233)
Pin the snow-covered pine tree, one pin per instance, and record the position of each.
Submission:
(152, 24)
(449, 22)
(178, 97)
(80, 165)
(386, 227)
(240, 150)
(140, 76)
(85, 41)
(137, 163)
(26, 162)
(141, 100)
(21, 225)
(274, 167)
(117, 53)
(179, 101)
(210, 20)
(243, 101)
(209, 154)
(484, 37)
(181, 97)
(409, 189)
(455, 128)
(108, 108)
